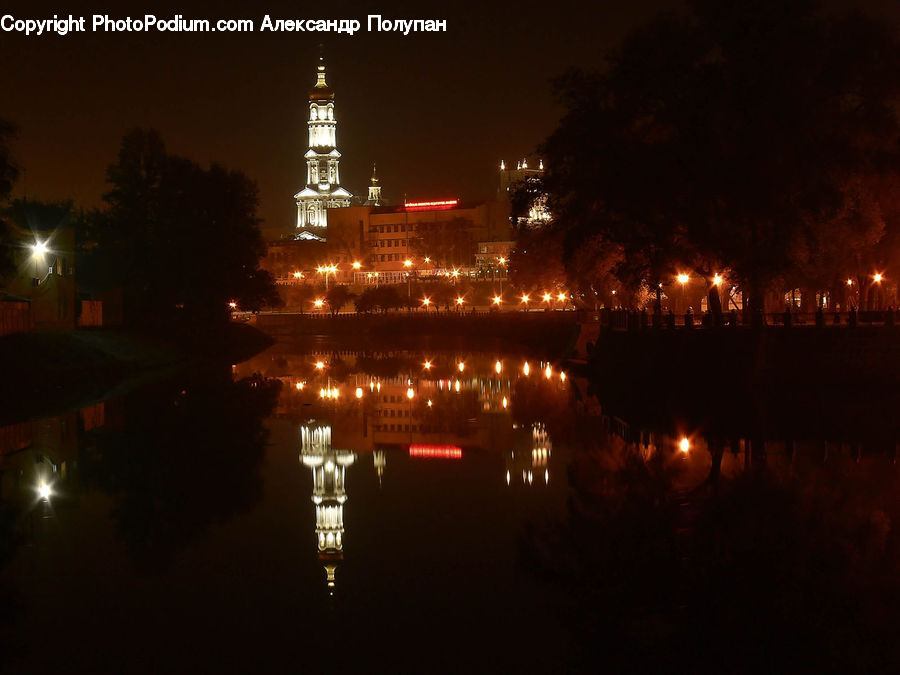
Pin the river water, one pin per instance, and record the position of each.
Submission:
(420, 511)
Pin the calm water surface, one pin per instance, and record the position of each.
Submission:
(412, 511)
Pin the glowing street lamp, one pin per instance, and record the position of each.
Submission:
(683, 278)
(39, 249)
(319, 303)
(498, 367)
(849, 282)
(44, 491)
(461, 366)
(525, 300)
(410, 393)
(320, 365)
(717, 279)
(298, 275)
(427, 365)
(460, 300)
(426, 302)
(684, 444)
(407, 263)
(547, 297)
(232, 304)
(497, 300)
(561, 297)
(526, 369)
(427, 259)
(877, 277)
(359, 392)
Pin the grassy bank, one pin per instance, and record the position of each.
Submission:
(44, 373)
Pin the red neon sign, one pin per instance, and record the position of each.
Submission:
(430, 206)
(436, 451)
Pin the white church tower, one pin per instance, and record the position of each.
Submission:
(323, 179)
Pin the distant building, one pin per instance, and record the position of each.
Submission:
(323, 179)
(374, 197)
(532, 201)
(435, 236)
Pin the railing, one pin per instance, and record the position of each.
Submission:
(627, 320)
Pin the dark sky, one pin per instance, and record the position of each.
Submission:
(437, 111)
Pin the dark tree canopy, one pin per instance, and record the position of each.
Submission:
(748, 135)
(180, 237)
(8, 174)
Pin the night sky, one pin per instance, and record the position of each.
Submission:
(437, 111)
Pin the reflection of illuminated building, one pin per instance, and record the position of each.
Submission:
(379, 461)
(329, 472)
(530, 461)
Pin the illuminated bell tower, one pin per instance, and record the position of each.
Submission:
(374, 198)
(323, 179)
(329, 473)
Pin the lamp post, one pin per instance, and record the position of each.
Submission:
(502, 262)
(407, 264)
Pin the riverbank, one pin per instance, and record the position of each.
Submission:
(836, 382)
(46, 373)
(553, 334)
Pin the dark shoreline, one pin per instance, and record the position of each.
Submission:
(48, 373)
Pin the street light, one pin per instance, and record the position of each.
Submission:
(318, 303)
(717, 279)
(39, 248)
(547, 297)
(459, 301)
(525, 300)
(683, 279)
(426, 302)
(877, 277)
(356, 264)
(497, 300)
(407, 263)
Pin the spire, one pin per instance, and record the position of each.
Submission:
(374, 175)
(320, 69)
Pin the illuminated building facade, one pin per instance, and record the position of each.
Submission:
(323, 179)
(383, 238)
(529, 179)
(374, 197)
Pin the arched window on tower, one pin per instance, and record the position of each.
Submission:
(313, 113)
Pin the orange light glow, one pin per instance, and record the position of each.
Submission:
(320, 365)
(461, 365)
(410, 393)
(359, 392)
(877, 277)
(319, 302)
(356, 264)
(427, 365)
(717, 279)
(497, 299)
(407, 263)
(561, 297)
(684, 444)
(498, 367)
(459, 301)
(548, 372)
(526, 368)
(683, 278)
(547, 297)
(426, 301)
(298, 275)
(525, 299)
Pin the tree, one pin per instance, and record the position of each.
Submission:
(448, 243)
(8, 174)
(337, 297)
(726, 138)
(178, 237)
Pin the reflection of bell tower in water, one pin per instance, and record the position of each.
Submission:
(329, 472)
